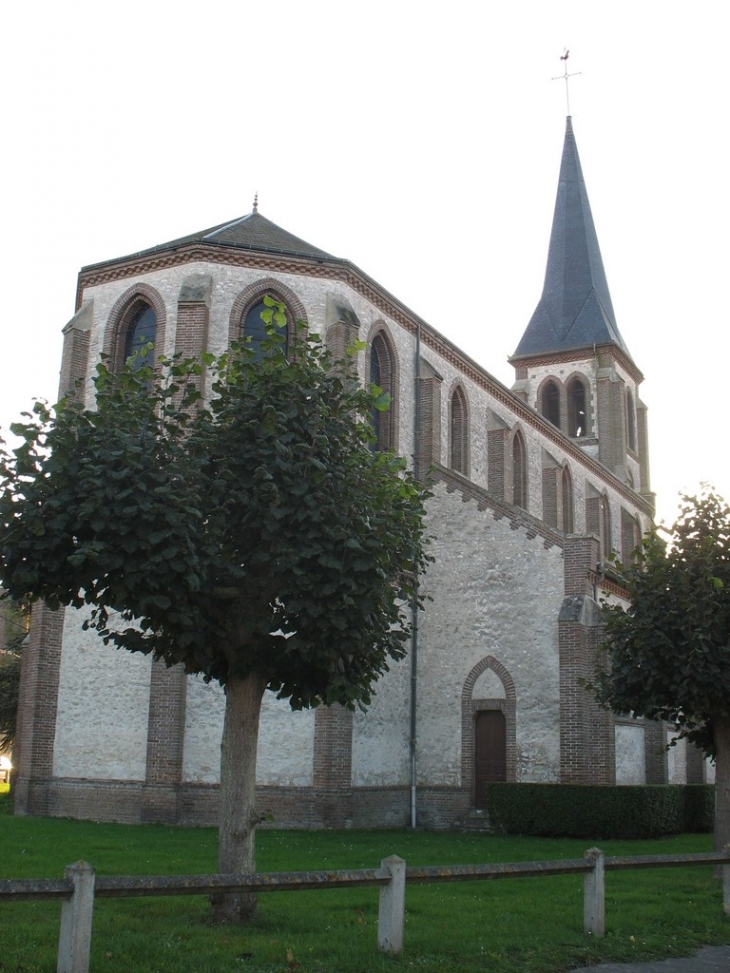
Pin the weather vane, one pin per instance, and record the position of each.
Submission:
(564, 76)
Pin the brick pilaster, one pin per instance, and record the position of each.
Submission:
(643, 442)
(655, 752)
(429, 433)
(332, 772)
(551, 505)
(191, 332)
(499, 461)
(37, 707)
(75, 355)
(587, 745)
(165, 740)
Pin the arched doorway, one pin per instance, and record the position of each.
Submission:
(488, 745)
(490, 752)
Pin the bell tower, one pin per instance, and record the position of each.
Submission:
(572, 364)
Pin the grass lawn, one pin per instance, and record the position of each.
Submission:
(507, 926)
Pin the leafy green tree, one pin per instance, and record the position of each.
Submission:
(256, 538)
(15, 628)
(669, 652)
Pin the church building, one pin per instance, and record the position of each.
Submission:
(535, 488)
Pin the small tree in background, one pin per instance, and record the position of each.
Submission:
(14, 626)
(257, 539)
(669, 652)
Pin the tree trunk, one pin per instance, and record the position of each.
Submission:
(721, 728)
(238, 818)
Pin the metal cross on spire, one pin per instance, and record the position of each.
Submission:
(564, 76)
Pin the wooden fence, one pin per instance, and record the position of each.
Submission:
(80, 886)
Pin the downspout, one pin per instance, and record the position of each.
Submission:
(414, 605)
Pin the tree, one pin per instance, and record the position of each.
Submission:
(14, 625)
(257, 538)
(669, 651)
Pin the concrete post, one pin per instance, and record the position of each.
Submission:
(391, 913)
(726, 884)
(74, 944)
(594, 897)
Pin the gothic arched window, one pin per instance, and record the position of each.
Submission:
(459, 432)
(551, 403)
(519, 471)
(140, 336)
(630, 421)
(577, 415)
(381, 375)
(567, 497)
(254, 329)
(604, 526)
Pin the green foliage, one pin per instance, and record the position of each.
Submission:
(15, 618)
(669, 652)
(256, 531)
(592, 812)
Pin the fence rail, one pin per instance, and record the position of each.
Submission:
(80, 886)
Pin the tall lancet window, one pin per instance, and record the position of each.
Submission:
(140, 336)
(519, 471)
(255, 329)
(567, 492)
(551, 403)
(459, 432)
(381, 374)
(577, 416)
(630, 421)
(604, 526)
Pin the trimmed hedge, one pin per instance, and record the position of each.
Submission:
(585, 811)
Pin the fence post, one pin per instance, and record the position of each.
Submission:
(74, 943)
(391, 912)
(594, 897)
(726, 884)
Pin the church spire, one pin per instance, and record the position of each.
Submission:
(575, 309)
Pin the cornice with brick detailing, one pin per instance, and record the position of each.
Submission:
(348, 273)
(609, 585)
(517, 517)
(578, 354)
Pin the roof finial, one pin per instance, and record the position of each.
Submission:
(564, 58)
(256, 203)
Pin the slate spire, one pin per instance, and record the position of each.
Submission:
(575, 309)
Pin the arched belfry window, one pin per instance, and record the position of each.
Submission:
(255, 330)
(630, 421)
(381, 374)
(459, 432)
(519, 471)
(550, 405)
(577, 414)
(140, 336)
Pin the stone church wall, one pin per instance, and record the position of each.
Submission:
(493, 593)
(103, 702)
(381, 734)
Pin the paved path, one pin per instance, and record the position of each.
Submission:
(710, 959)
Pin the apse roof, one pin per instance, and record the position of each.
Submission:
(251, 232)
(575, 310)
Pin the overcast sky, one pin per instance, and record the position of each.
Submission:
(422, 142)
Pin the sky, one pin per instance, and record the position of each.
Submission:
(421, 142)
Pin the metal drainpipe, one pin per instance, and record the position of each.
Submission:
(414, 605)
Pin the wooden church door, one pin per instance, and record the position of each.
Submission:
(490, 751)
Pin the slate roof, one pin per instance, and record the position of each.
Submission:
(251, 232)
(575, 309)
